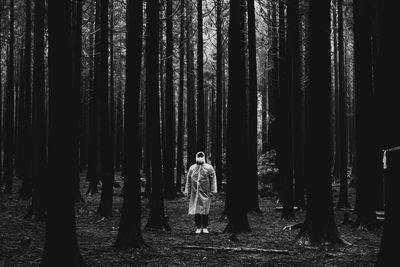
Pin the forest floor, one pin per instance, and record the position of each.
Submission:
(21, 240)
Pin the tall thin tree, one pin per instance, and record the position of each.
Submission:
(129, 232)
(235, 207)
(38, 115)
(190, 93)
(342, 151)
(201, 134)
(9, 126)
(218, 111)
(76, 70)
(156, 217)
(180, 133)
(367, 150)
(106, 164)
(252, 117)
(61, 243)
(319, 225)
(169, 159)
(25, 121)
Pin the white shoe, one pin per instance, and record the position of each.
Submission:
(205, 231)
(198, 230)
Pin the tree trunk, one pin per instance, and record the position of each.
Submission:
(319, 225)
(39, 115)
(190, 94)
(169, 160)
(389, 54)
(9, 126)
(107, 172)
(112, 88)
(1, 117)
(342, 158)
(156, 218)
(129, 232)
(76, 72)
(93, 146)
(200, 83)
(218, 115)
(61, 242)
(252, 117)
(25, 119)
(180, 134)
(236, 206)
(368, 153)
(284, 152)
(274, 80)
(298, 63)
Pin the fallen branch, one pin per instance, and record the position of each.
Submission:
(240, 249)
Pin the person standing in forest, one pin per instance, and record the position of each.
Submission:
(201, 184)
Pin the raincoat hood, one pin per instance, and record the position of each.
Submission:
(200, 158)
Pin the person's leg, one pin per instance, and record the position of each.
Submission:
(197, 219)
(204, 218)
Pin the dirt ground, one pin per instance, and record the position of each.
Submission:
(21, 240)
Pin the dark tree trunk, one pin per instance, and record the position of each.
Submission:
(368, 153)
(1, 118)
(76, 72)
(342, 157)
(156, 218)
(9, 126)
(39, 115)
(388, 76)
(25, 172)
(169, 159)
(190, 94)
(252, 136)
(179, 154)
(93, 145)
(106, 164)
(112, 88)
(387, 252)
(319, 225)
(61, 242)
(284, 153)
(201, 134)
(83, 118)
(298, 102)
(236, 207)
(274, 79)
(129, 232)
(294, 117)
(218, 115)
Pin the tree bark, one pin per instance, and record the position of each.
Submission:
(319, 225)
(201, 134)
(25, 172)
(129, 232)
(368, 153)
(156, 218)
(190, 94)
(9, 126)
(93, 146)
(61, 242)
(180, 133)
(106, 164)
(39, 115)
(169, 160)
(236, 206)
(252, 117)
(342, 159)
(218, 115)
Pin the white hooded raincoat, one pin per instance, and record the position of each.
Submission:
(200, 181)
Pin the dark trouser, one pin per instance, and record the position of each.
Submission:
(201, 220)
